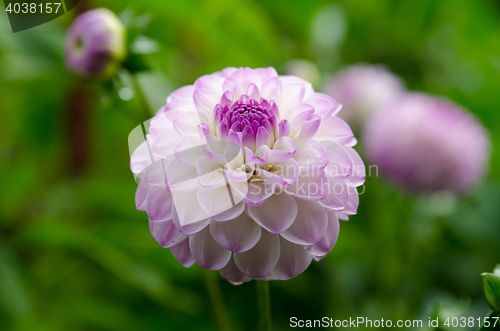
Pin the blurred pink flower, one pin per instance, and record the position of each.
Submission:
(363, 89)
(252, 172)
(95, 44)
(427, 144)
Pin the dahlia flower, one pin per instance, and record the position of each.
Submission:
(95, 44)
(247, 172)
(363, 89)
(427, 144)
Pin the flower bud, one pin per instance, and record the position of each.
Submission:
(428, 144)
(491, 283)
(95, 44)
(362, 90)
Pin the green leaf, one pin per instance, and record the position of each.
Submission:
(491, 282)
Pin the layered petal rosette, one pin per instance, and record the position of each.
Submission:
(248, 173)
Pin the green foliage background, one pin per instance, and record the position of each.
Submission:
(76, 255)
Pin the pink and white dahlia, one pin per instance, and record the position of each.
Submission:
(428, 144)
(248, 173)
(363, 89)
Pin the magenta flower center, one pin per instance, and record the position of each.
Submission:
(257, 122)
(242, 115)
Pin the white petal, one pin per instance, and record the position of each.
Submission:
(218, 200)
(231, 213)
(276, 214)
(140, 197)
(187, 214)
(309, 225)
(310, 155)
(338, 195)
(233, 274)
(159, 204)
(187, 123)
(294, 259)
(207, 252)
(336, 129)
(325, 245)
(358, 168)
(165, 143)
(261, 259)
(339, 161)
(165, 233)
(182, 253)
(311, 185)
(238, 235)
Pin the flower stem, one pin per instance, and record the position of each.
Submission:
(141, 98)
(264, 301)
(219, 309)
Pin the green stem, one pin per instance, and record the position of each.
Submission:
(219, 309)
(141, 98)
(264, 301)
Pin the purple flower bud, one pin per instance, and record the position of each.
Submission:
(95, 44)
(363, 89)
(428, 144)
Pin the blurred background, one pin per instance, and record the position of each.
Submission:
(75, 254)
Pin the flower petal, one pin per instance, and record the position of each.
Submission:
(276, 214)
(187, 214)
(336, 129)
(183, 92)
(140, 197)
(182, 253)
(294, 259)
(358, 168)
(266, 73)
(324, 105)
(339, 161)
(159, 204)
(186, 123)
(281, 174)
(257, 192)
(283, 149)
(338, 194)
(217, 200)
(231, 213)
(207, 252)
(164, 144)
(238, 235)
(311, 185)
(165, 233)
(309, 225)
(233, 274)
(271, 89)
(310, 127)
(209, 82)
(262, 258)
(325, 245)
(310, 155)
